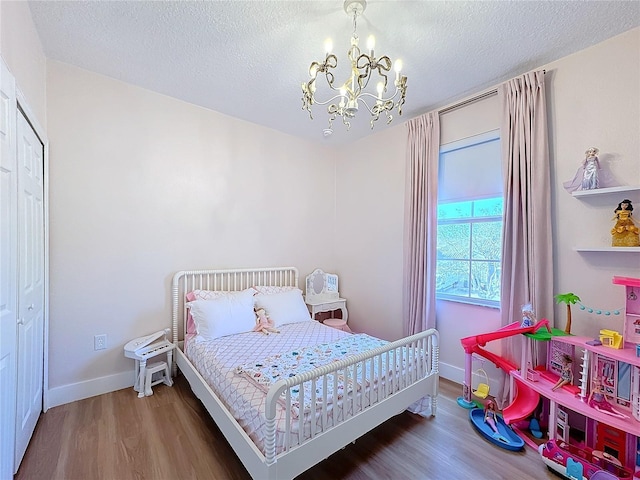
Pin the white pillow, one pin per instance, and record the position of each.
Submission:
(271, 289)
(226, 315)
(285, 307)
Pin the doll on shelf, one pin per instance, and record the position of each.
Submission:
(566, 375)
(590, 174)
(598, 400)
(625, 232)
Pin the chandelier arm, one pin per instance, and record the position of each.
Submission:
(385, 63)
(375, 97)
(330, 79)
(315, 100)
(331, 119)
(366, 76)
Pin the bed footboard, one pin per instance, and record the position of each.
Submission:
(384, 382)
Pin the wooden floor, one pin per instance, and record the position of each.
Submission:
(169, 436)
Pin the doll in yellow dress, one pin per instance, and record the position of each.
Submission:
(625, 232)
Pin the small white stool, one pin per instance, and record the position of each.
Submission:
(164, 378)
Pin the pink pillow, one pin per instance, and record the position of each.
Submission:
(191, 326)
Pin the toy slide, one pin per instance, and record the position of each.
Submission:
(507, 331)
(524, 403)
(526, 399)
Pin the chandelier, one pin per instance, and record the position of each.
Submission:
(350, 95)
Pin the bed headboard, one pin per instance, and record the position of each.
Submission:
(222, 280)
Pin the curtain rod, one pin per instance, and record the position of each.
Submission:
(490, 93)
(463, 103)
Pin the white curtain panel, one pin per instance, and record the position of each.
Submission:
(421, 223)
(527, 268)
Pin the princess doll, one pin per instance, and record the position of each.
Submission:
(591, 174)
(625, 233)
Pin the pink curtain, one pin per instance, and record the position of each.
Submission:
(527, 268)
(419, 293)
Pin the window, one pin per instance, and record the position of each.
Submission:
(470, 207)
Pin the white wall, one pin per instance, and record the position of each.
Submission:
(142, 186)
(370, 176)
(593, 99)
(21, 49)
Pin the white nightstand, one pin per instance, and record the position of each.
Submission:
(320, 306)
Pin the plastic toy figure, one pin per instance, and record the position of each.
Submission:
(590, 174)
(598, 400)
(566, 376)
(528, 317)
(625, 232)
(591, 166)
(491, 419)
(490, 415)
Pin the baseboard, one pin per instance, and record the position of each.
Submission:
(451, 372)
(99, 386)
(89, 388)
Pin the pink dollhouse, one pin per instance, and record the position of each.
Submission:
(594, 421)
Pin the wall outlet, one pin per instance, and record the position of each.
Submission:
(100, 342)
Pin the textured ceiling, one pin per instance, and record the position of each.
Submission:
(247, 59)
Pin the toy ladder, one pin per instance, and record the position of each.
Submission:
(584, 374)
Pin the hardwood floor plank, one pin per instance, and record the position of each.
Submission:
(170, 436)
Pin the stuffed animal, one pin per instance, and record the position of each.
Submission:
(263, 323)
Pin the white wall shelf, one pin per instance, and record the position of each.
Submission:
(607, 191)
(608, 249)
(604, 191)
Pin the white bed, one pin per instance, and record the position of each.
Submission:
(265, 433)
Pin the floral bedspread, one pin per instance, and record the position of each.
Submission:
(285, 365)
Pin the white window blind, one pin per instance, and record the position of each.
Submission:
(470, 168)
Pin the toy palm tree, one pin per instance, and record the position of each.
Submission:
(569, 299)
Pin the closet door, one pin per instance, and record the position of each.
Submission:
(8, 269)
(30, 366)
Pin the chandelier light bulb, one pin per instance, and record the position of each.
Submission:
(371, 43)
(328, 46)
(380, 88)
(397, 66)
